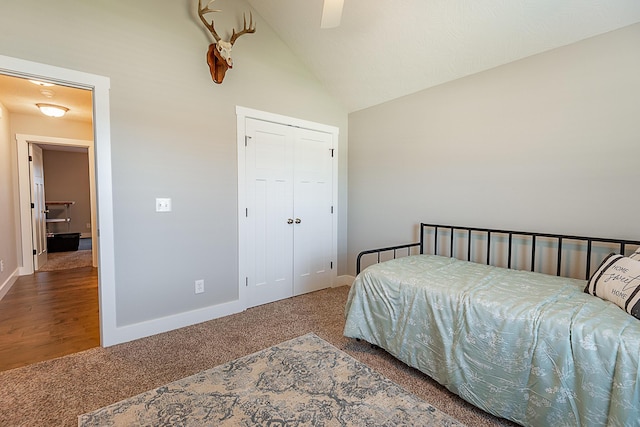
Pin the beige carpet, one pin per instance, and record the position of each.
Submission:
(56, 392)
(67, 260)
(302, 382)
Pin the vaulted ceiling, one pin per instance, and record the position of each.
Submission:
(385, 49)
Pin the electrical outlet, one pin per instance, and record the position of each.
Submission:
(199, 286)
(1, 265)
(163, 205)
(88, 225)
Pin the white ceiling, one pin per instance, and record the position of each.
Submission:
(385, 49)
(20, 96)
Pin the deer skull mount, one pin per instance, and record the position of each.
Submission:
(219, 53)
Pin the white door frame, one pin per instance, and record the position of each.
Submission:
(242, 113)
(104, 191)
(23, 142)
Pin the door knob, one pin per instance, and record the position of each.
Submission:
(290, 221)
(298, 220)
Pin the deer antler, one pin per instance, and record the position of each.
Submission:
(245, 30)
(201, 13)
(219, 53)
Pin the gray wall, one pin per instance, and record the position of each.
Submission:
(173, 132)
(8, 241)
(66, 178)
(550, 143)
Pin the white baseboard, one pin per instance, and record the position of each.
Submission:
(148, 328)
(345, 280)
(127, 333)
(4, 287)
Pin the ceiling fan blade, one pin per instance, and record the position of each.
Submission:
(331, 13)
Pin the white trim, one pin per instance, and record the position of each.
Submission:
(6, 286)
(286, 120)
(345, 280)
(242, 113)
(181, 320)
(23, 142)
(242, 203)
(102, 137)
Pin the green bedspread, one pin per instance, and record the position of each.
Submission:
(525, 346)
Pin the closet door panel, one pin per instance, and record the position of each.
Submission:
(269, 166)
(312, 206)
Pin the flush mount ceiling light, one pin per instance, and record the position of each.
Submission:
(331, 13)
(52, 110)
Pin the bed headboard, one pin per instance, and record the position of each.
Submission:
(509, 248)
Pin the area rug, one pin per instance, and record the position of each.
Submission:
(302, 382)
(66, 260)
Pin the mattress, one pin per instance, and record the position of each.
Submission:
(525, 346)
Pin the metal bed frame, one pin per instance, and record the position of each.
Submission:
(451, 231)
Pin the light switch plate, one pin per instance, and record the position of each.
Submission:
(163, 205)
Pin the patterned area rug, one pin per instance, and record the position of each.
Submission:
(302, 382)
(67, 260)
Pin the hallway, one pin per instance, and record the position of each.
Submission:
(47, 315)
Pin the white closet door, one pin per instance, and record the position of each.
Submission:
(269, 180)
(313, 194)
(289, 192)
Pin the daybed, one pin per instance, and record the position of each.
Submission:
(530, 347)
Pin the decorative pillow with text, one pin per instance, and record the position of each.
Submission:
(635, 255)
(618, 280)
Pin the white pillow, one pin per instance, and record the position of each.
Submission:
(635, 255)
(618, 280)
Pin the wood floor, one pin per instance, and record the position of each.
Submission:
(47, 315)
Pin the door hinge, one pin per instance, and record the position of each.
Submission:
(33, 206)
(30, 159)
(331, 209)
(331, 149)
(331, 265)
(34, 252)
(246, 140)
(246, 212)
(246, 281)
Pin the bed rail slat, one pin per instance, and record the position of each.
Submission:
(559, 262)
(533, 253)
(451, 244)
(588, 258)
